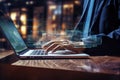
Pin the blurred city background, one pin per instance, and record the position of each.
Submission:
(37, 19)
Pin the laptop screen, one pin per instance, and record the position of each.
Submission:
(12, 34)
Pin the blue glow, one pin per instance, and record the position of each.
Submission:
(88, 19)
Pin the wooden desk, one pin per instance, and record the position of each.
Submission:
(95, 68)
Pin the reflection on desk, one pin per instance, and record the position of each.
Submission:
(95, 68)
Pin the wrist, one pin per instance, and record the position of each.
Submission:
(79, 44)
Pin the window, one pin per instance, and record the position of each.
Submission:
(42, 20)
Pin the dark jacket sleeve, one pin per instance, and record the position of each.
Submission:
(110, 45)
(109, 28)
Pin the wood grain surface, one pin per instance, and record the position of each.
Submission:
(99, 67)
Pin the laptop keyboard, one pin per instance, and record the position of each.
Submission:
(38, 52)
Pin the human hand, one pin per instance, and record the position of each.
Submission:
(55, 45)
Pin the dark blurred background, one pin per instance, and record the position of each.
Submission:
(35, 18)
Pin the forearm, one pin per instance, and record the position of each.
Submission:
(109, 46)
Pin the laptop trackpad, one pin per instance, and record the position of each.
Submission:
(66, 52)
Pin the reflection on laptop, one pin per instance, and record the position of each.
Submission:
(21, 50)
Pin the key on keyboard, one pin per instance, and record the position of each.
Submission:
(38, 52)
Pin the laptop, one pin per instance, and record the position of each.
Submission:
(22, 51)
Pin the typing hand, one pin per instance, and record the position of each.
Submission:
(55, 45)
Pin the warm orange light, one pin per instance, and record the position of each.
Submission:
(17, 26)
(77, 2)
(62, 33)
(13, 15)
(63, 26)
(23, 18)
(67, 5)
(53, 17)
(35, 31)
(24, 9)
(52, 7)
(54, 26)
(23, 30)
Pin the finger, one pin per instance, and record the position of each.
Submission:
(51, 47)
(69, 47)
(47, 44)
(58, 47)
